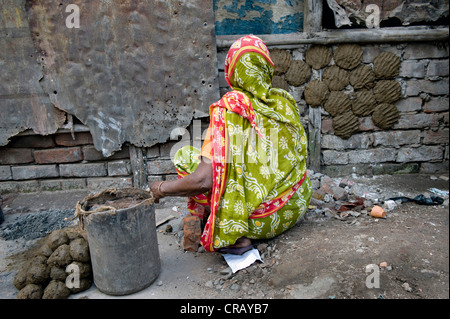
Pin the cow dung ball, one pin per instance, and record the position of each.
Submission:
(30, 291)
(56, 290)
(79, 250)
(60, 257)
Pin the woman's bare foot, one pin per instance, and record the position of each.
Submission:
(241, 242)
(241, 246)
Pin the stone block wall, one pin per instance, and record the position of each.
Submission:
(418, 142)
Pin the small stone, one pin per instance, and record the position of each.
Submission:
(407, 287)
(209, 284)
(262, 247)
(235, 287)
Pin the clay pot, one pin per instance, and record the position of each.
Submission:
(378, 212)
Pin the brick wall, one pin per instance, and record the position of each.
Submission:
(32, 163)
(56, 162)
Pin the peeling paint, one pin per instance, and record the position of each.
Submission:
(258, 16)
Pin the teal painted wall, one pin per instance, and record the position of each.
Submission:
(258, 16)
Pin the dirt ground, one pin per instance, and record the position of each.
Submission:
(322, 257)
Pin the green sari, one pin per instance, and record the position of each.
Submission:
(259, 150)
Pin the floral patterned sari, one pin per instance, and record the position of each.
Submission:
(258, 153)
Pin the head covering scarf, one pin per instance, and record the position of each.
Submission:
(260, 187)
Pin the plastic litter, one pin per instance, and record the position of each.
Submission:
(420, 199)
(438, 192)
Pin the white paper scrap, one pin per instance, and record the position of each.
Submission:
(238, 262)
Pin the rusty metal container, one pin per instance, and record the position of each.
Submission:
(121, 231)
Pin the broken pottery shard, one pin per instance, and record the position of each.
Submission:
(362, 77)
(363, 103)
(192, 233)
(336, 78)
(345, 125)
(281, 59)
(348, 56)
(386, 65)
(387, 91)
(299, 73)
(337, 103)
(316, 93)
(318, 56)
(385, 116)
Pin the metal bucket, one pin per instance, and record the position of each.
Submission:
(123, 242)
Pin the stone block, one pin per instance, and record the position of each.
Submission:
(415, 87)
(411, 121)
(396, 138)
(5, 173)
(413, 69)
(66, 139)
(393, 168)
(378, 155)
(119, 168)
(34, 172)
(334, 157)
(15, 156)
(416, 51)
(83, 170)
(108, 182)
(435, 137)
(160, 167)
(8, 187)
(153, 151)
(62, 184)
(27, 186)
(354, 142)
(436, 104)
(58, 155)
(327, 126)
(411, 104)
(433, 168)
(437, 68)
(420, 154)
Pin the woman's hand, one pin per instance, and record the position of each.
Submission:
(199, 182)
(155, 188)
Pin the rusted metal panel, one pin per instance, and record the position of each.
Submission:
(133, 71)
(23, 104)
(407, 12)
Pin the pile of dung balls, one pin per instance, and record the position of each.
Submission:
(61, 265)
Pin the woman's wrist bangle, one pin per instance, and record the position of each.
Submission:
(159, 189)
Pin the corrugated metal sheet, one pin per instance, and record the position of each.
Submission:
(133, 71)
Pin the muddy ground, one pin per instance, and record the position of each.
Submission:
(322, 257)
